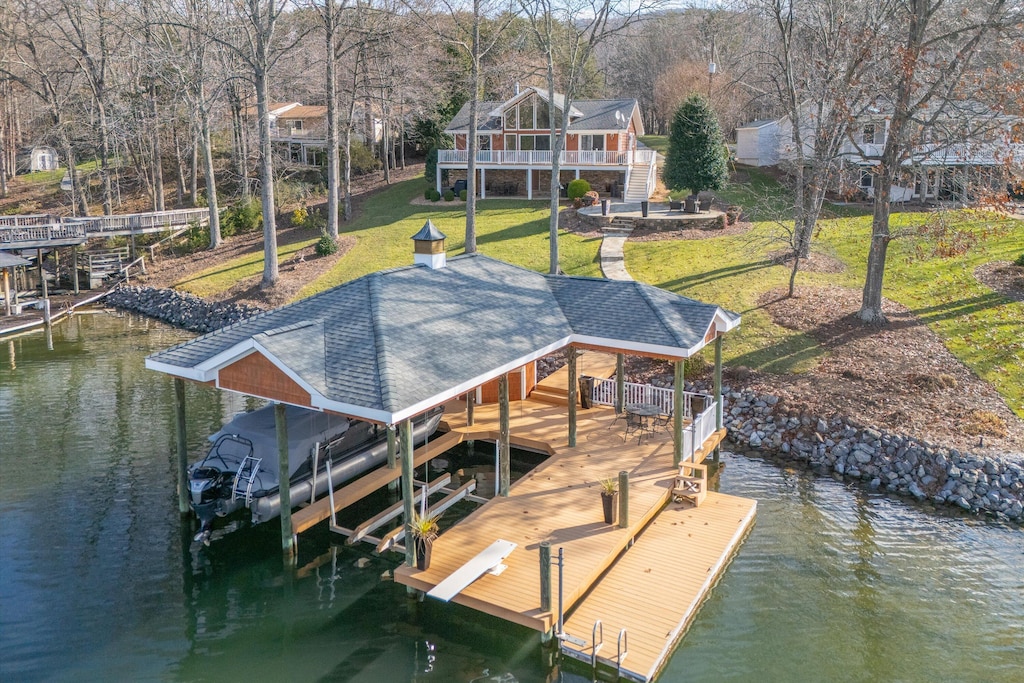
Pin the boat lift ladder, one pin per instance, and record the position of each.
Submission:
(254, 467)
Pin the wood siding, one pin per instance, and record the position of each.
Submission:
(257, 376)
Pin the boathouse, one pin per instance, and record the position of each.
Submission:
(397, 343)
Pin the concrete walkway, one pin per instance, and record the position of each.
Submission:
(612, 260)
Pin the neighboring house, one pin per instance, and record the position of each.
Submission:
(38, 158)
(968, 148)
(301, 130)
(757, 143)
(514, 151)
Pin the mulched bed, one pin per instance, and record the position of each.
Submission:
(899, 376)
(1003, 277)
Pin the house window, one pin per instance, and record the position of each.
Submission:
(866, 178)
(526, 143)
(510, 119)
(510, 143)
(540, 143)
(483, 142)
(543, 120)
(296, 125)
(526, 114)
(868, 137)
(592, 143)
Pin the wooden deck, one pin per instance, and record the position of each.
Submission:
(655, 589)
(558, 502)
(553, 388)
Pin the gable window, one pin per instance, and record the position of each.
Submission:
(592, 143)
(511, 122)
(873, 134)
(543, 120)
(526, 114)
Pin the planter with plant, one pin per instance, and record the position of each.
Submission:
(610, 499)
(424, 530)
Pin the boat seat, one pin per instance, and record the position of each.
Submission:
(691, 483)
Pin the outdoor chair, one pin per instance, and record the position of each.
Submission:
(662, 421)
(675, 205)
(619, 415)
(691, 483)
(635, 424)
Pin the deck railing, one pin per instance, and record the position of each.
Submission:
(702, 423)
(543, 157)
(41, 228)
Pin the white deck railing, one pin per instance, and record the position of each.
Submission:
(35, 229)
(702, 425)
(543, 157)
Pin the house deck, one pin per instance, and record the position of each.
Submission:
(559, 502)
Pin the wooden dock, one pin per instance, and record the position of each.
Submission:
(553, 388)
(674, 564)
(559, 502)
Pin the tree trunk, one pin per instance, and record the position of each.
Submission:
(179, 175)
(157, 161)
(211, 181)
(871, 302)
(270, 267)
(108, 190)
(330, 27)
(193, 179)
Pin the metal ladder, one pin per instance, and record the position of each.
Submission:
(597, 642)
(254, 468)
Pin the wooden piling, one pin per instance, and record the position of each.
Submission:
(42, 277)
(284, 489)
(718, 391)
(470, 402)
(392, 456)
(571, 358)
(74, 267)
(179, 414)
(408, 501)
(545, 576)
(7, 291)
(504, 454)
(623, 499)
(678, 408)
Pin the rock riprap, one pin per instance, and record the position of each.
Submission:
(180, 309)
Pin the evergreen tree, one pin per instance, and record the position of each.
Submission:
(696, 152)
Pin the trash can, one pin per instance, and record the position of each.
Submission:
(604, 207)
(586, 388)
(643, 208)
(690, 206)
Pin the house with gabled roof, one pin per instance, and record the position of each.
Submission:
(514, 147)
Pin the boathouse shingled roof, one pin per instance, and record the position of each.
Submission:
(393, 343)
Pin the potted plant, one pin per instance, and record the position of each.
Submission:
(424, 530)
(610, 499)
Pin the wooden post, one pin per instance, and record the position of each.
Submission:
(74, 267)
(42, 278)
(284, 485)
(179, 414)
(545, 576)
(678, 406)
(620, 382)
(571, 353)
(470, 403)
(7, 292)
(392, 456)
(718, 391)
(623, 499)
(504, 455)
(408, 503)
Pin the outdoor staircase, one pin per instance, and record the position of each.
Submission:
(553, 389)
(636, 190)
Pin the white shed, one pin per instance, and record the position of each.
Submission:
(44, 159)
(757, 143)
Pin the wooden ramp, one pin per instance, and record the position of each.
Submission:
(656, 588)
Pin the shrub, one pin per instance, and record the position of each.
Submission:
(196, 238)
(435, 196)
(449, 196)
(241, 217)
(577, 188)
(1020, 260)
(462, 195)
(315, 221)
(326, 245)
(428, 193)
(300, 215)
(362, 158)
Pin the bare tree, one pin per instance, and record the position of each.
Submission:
(568, 33)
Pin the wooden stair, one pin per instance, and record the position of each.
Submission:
(554, 389)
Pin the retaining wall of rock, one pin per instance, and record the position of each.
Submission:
(985, 484)
(180, 309)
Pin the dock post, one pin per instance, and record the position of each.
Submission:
(179, 414)
(42, 275)
(392, 456)
(505, 456)
(470, 402)
(620, 382)
(545, 585)
(47, 318)
(7, 291)
(74, 267)
(281, 427)
(718, 391)
(678, 407)
(408, 505)
(571, 357)
(623, 499)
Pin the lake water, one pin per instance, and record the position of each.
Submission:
(99, 579)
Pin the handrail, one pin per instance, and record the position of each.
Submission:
(543, 157)
(621, 654)
(47, 228)
(595, 646)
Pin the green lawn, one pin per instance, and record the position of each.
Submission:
(512, 230)
(980, 327)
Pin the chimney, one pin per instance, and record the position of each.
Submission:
(517, 87)
(429, 247)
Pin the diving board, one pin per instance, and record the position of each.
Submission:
(486, 560)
